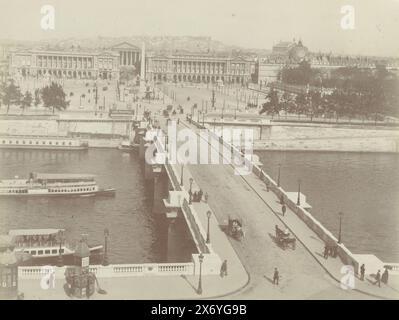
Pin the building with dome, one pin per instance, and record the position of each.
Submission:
(290, 52)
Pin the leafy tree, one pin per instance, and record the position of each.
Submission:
(11, 95)
(301, 103)
(26, 101)
(37, 97)
(53, 96)
(272, 105)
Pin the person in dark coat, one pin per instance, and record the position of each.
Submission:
(223, 269)
(362, 272)
(326, 251)
(276, 276)
(200, 193)
(283, 209)
(384, 277)
(378, 278)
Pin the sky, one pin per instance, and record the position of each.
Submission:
(247, 23)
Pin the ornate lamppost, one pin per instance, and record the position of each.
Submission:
(190, 191)
(278, 177)
(340, 214)
(105, 257)
(298, 201)
(201, 260)
(208, 238)
(60, 262)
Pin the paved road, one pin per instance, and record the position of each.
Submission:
(302, 276)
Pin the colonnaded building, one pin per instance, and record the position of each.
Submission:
(197, 67)
(74, 64)
(64, 64)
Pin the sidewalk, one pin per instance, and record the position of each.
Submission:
(315, 245)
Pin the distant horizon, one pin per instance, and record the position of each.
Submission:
(44, 40)
(255, 24)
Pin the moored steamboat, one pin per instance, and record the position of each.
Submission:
(42, 143)
(53, 184)
(45, 245)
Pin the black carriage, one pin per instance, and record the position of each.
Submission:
(235, 228)
(284, 240)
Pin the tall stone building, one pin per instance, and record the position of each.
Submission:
(64, 64)
(197, 67)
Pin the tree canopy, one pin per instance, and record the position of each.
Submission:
(53, 96)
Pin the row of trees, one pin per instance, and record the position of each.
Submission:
(51, 96)
(336, 104)
(355, 91)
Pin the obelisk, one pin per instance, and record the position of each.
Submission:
(142, 69)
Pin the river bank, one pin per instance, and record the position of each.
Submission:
(335, 138)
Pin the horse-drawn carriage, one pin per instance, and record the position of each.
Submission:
(235, 228)
(283, 239)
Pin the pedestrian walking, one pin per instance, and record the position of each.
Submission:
(206, 197)
(267, 185)
(282, 199)
(384, 277)
(223, 269)
(276, 276)
(326, 252)
(362, 272)
(378, 278)
(283, 209)
(200, 193)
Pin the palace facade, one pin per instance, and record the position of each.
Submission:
(197, 67)
(64, 64)
(129, 55)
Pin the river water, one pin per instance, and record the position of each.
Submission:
(364, 186)
(133, 236)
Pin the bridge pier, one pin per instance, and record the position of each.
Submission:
(177, 238)
(161, 188)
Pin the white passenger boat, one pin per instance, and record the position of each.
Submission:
(42, 142)
(53, 184)
(44, 244)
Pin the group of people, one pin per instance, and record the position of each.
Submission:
(330, 251)
(37, 240)
(378, 277)
(196, 196)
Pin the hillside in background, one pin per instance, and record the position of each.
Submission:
(153, 43)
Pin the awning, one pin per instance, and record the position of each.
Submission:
(34, 232)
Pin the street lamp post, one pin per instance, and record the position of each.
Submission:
(181, 175)
(200, 259)
(340, 226)
(208, 238)
(298, 201)
(190, 191)
(60, 238)
(278, 177)
(105, 257)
